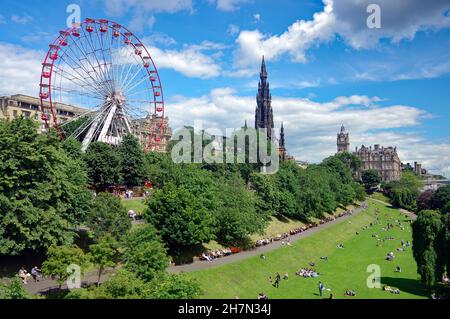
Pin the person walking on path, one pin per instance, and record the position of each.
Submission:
(321, 289)
(276, 284)
(36, 273)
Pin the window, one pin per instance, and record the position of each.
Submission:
(26, 113)
(15, 113)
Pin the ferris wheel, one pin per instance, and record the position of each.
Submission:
(105, 70)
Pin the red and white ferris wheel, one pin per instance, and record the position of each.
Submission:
(102, 67)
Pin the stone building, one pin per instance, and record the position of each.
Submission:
(384, 160)
(14, 106)
(343, 141)
(144, 127)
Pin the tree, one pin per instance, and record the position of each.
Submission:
(170, 286)
(43, 193)
(352, 161)
(13, 290)
(237, 217)
(102, 165)
(440, 198)
(104, 254)
(124, 284)
(370, 178)
(424, 200)
(428, 246)
(144, 253)
(108, 216)
(182, 218)
(59, 258)
(404, 192)
(131, 159)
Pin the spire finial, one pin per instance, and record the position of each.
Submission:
(263, 68)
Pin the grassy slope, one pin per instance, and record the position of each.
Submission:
(346, 268)
(135, 204)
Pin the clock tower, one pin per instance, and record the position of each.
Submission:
(343, 141)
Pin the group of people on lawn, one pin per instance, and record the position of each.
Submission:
(214, 254)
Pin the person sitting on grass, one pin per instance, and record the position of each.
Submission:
(324, 258)
(350, 293)
(398, 269)
(261, 295)
(286, 276)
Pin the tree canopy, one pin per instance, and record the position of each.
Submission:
(43, 193)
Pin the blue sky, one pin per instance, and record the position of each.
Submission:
(389, 86)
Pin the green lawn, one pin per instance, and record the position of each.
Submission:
(345, 268)
(135, 204)
(380, 196)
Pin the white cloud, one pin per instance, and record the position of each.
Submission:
(233, 29)
(256, 17)
(21, 69)
(399, 20)
(120, 7)
(161, 38)
(229, 5)
(347, 18)
(189, 61)
(300, 36)
(24, 19)
(311, 126)
(142, 11)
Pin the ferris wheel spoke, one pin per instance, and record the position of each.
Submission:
(86, 53)
(83, 69)
(104, 78)
(136, 85)
(130, 81)
(73, 91)
(130, 67)
(73, 79)
(106, 70)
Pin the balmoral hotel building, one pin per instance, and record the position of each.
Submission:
(16, 105)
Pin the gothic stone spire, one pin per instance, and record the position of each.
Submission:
(263, 112)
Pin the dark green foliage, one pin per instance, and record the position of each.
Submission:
(43, 194)
(144, 253)
(108, 217)
(440, 198)
(131, 159)
(13, 290)
(102, 164)
(104, 254)
(61, 257)
(170, 286)
(124, 284)
(236, 216)
(352, 161)
(428, 246)
(181, 217)
(404, 192)
(370, 178)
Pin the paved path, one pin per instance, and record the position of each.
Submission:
(202, 264)
(46, 284)
(404, 211)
